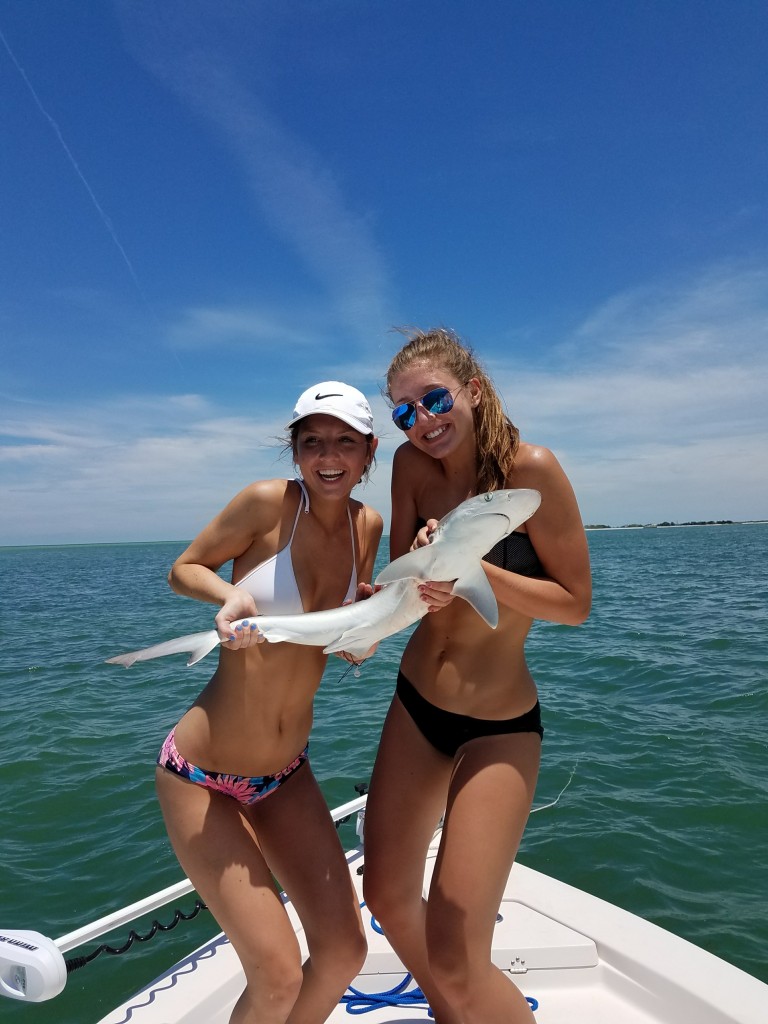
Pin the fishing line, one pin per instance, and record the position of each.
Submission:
(348, 669)
(554, 802)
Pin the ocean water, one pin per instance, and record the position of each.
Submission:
(655, 765)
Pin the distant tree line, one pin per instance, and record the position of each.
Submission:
(638, 526)
(701, 522)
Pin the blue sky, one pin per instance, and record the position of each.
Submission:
(209, 206)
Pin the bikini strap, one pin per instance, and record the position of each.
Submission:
(303, 500)
(352, 538)
(304, 494)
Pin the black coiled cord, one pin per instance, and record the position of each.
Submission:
(77, 962)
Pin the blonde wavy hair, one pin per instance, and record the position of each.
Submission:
(498, 439)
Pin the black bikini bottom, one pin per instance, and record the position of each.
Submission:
(447, 731)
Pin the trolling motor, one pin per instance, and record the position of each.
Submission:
(32, 967)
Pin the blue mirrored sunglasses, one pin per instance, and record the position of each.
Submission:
(436, 402)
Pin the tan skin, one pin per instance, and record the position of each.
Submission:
(254, 717)
(459, 664)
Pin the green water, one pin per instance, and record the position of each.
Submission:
(656, 710)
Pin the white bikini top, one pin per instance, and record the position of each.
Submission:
(272, 583)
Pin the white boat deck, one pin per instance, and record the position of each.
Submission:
(583, 960)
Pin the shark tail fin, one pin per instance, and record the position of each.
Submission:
(197, 645)
(208, 642)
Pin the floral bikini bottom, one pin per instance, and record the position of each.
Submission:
(247, 789)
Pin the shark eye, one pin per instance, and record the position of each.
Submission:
(489, 496)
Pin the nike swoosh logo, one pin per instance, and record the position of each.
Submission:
(319, 397)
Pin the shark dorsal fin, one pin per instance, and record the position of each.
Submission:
(417, 564)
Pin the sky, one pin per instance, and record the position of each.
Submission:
(206, 207)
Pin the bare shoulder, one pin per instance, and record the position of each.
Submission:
(538, 467)
(534, 461)
(408, 456)
(252, 513)
(412, 466)
(371, 520)
(261, 504)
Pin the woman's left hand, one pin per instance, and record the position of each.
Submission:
(437, 595)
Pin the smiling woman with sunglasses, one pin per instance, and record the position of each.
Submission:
(463, 734)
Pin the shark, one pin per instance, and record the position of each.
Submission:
(454, 553)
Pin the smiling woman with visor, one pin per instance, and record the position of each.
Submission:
(463, 734)
(254, 809)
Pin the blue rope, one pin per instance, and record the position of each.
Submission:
(363, 1002)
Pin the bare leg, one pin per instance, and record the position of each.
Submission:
(407, 796)
(490, 797)
(217, 849)
(215, 840)
(302, 847)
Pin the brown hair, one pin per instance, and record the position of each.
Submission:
(497, 437)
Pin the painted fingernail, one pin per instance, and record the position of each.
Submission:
(254, 626)
(232, 636)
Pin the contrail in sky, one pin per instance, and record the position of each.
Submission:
(104, 218)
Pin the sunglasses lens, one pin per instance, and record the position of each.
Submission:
(404, 416)
(438, 401)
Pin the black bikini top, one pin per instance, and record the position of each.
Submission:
(514, 553)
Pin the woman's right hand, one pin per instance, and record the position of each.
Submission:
(422, 537)
(239, 605)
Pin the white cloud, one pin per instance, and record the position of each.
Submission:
(656, 407)
(296, 191)
(227, 327)
(144, 468)
(659, 403)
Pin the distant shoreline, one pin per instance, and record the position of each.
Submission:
(666, 525)
(590, 527)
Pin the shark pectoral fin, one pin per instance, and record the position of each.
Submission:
(352, 642)
(276, 635)
(198, 644)
(477, 591)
